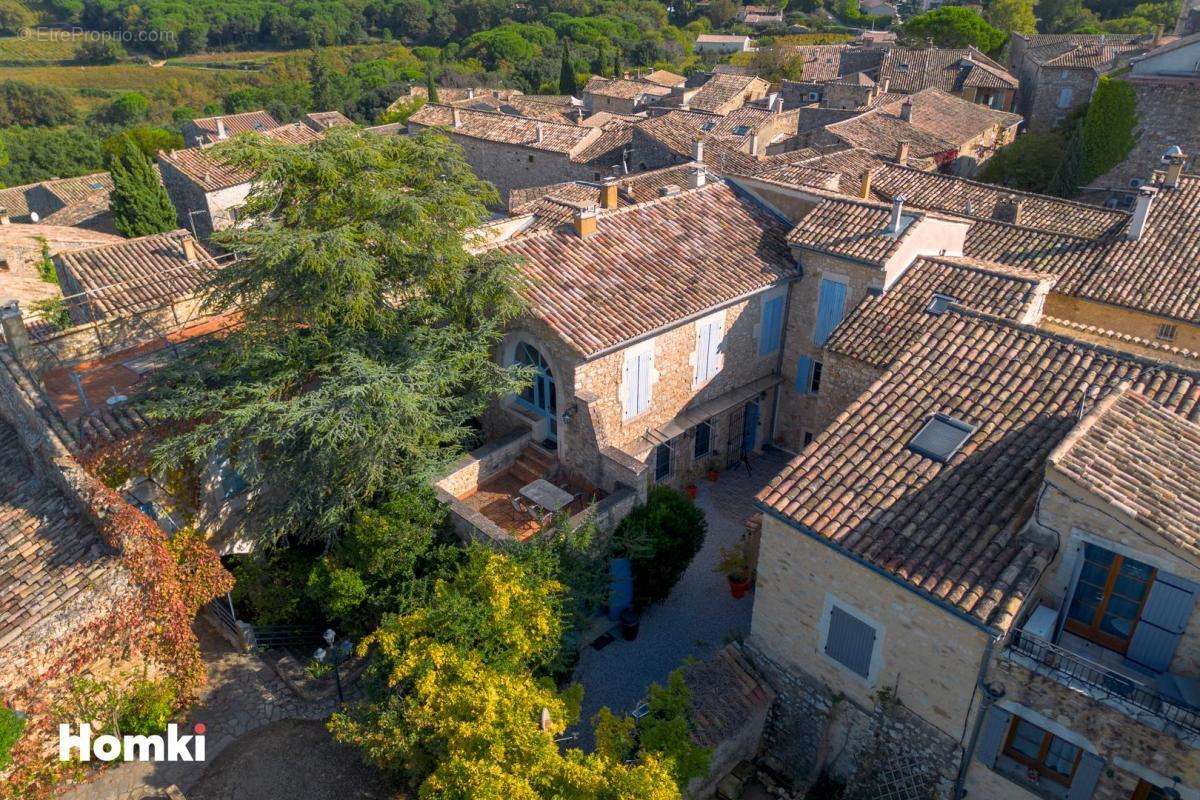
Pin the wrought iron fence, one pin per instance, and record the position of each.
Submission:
(1077, 671)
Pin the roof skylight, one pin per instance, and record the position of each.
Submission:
(941, 437)
(939, 303)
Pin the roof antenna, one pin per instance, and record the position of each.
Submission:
(1088, 392)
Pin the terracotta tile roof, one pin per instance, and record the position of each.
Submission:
(91, 213)
(952, 530)
(246, 122)
(719, 90)
(940, 122)
(1077, 50)
(1141, 458)
(826, 62)
(652, 265)
(51, 559)
(640, 187)
(664, 78)
(809, 168)
(852, 228)
(615, 136)
(720, 38)
(520, 107)
(974, 199)
(949, 69)
(678, 131)
(320, 120)
(624, 88)
(48, 197)
(883, 326)
(210, 174)
(497, 127)
(131, 276)
(727, 694)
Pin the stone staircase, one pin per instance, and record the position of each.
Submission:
(533, 463)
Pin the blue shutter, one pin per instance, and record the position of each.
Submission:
(830, 305)
(1164, 617)
(1083, 783)
(992, 734)
(704, 334)
(772, 326)
(803, 374)
(643, 382)
(714, 348)
(850, 641)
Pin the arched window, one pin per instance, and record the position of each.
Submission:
(541, 394)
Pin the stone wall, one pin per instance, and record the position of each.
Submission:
(1122, 320)
(1041, 94)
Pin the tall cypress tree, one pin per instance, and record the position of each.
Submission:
(566, 74)
(617, 64)
(139, 203)
(430, 87)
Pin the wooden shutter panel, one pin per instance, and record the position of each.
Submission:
(991, 735)
(1164, 618)
(830, 305)
(643, 382)
(703, 341)
(803, 374)
(714, 349)
(631, 387)
(1083, 784)
(772, 322)
(850, 641)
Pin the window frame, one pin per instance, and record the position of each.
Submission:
(696, 456)
(945, 419)
(670, 462)
(776, 331)
(1092, 632)
(825, 626)
(1038, 764)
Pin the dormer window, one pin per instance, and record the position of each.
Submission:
(741, 130)
(902, 68)
(708, 126)
(939, 303)
(941, 437)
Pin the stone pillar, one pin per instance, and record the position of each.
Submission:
(15, 334)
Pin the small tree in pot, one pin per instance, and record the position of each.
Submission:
(734, 566)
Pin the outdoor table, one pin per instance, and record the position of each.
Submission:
(546, 495)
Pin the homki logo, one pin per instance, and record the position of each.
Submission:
(171, 747)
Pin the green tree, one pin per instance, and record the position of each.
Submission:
(430, 87)
(954, 26)
(99, 51)
(1108, 128)
(460, 717)
(15, 17)
(722, 12)
(1013, 16)
(128, 109)
(150, 140)
(1029, 163)
(1063, 16)
(364, 351)
(139, 203)
(329, 89)
(660, 538)
(28, 105)
(567, 84)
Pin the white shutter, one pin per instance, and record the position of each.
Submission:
(643, 382)
(629, 382)
(714, 349)
(703, 339)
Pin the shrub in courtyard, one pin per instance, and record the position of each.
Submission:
(660, 539)
(12, 725)
(147, 708)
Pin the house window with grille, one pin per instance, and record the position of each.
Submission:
(662, 462)
(703, 440)
(850, 640)
(1167, 332)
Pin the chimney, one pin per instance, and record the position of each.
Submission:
(669, 190)
(470, 94)
(1174, 157)
(584, 220)
(698, 151)
(540, 133)
(4, 220)
(1141, 214)
(884, 84)
(754, 145)
(864, 181)
(189, 250)
(1008, 210)
(697, 176)
(902, 154)
(457, 118)
(906, 111)
(608, 193)
(897, 214)
(772, 99)
(15, 333)
(220, 128)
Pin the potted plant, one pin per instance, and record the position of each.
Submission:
(736, 569)
(691, 491)
(713, 474)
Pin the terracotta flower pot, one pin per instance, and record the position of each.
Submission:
(691, 491)
(738, 586)
(713, 475)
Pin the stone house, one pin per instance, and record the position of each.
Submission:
(655, 331)
(622, 95)
(207, 193)
(723, 93)
(760, 15)
(519, 152)
(210, 130)
(80, 202)
(1059, 72)
(721, 44)
(965, 73)
(909, 547)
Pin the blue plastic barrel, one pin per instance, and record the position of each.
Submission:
(620, 593)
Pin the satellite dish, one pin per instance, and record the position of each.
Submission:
(33, 216)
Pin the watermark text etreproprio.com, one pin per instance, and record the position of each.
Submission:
(82, 34)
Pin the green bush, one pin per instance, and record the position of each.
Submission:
(1107, 128)
(660, 539)
(12, 725)
(147, 708)
(666, 730)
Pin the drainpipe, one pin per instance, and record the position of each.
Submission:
(987, 697)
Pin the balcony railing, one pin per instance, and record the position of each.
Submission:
(1079, 672)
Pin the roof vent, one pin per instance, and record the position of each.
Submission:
(1175, 159)
(669, 190)
(1141, 214)
(894, 226)
(906, 109)
(941, 437)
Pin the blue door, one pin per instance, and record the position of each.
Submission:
(749, 428)
(541, 395)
